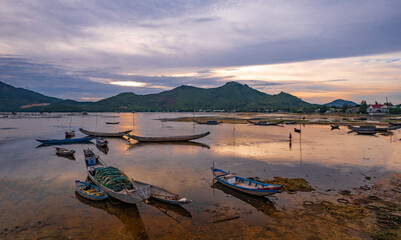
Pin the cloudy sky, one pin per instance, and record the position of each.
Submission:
(316, 50)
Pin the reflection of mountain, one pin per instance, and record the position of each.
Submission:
(260, 203)
(188, 143)
(169, 207)
(128, 214)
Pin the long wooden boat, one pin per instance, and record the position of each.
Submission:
(114, 182)
(265, 123)
(245, 185)
(104, 134)
(89, 191)
(365, 132)
(64, 141)
(112, 122)
(163, 195)
(209, 122)
(169, 138)
(369, 128)
(64, 152)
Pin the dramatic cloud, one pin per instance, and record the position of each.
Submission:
(157, 45)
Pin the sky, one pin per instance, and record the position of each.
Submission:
(87, 50)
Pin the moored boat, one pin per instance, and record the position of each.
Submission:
(112, 122)
(90, 191)
(70, 134)
(64, 141)
(168, 138)
(104, 134)
(163, 195)
(64, 152)
(100, 142)
(297, 130)
(265, 123)
(114, 182)
(245, 185)
(366, 132)
(335, 127)
(209, 122)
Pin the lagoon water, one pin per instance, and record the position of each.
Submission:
(38, 200)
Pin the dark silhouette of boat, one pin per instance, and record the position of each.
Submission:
(168, 138)
(297, 130)
(265, 123)
(335, 127)
(104, 134)
(210, 122)
(187, 143)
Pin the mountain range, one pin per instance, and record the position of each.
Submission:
(231, 96)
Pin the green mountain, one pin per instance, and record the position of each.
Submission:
(340, 103)
(19, 99)
(231, 96)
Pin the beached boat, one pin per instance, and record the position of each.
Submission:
(104, 134)
(163, 195)
(100, 142)
(245, 185)
(112, 122)
(64, 141)
(334, 127)
(70, 134)
(366, 132)
(114, 182)
(210, 122)
(169, 138)
(89, 191)
(64, 152)
(297, 130)
(370, 128)
(289, 122)
(395, 124)
(265, 123)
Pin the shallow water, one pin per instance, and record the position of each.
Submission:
(37, 186)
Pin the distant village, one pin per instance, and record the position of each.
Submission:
(363, 108)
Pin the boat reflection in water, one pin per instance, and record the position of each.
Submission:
(71, 157)
(165, 207)
(128, 214)
(262, 204)
(104, 149)
(188, 143)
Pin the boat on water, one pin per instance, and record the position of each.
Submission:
(64, 141)
(335, 127)
(104, 134)
(244, 184)
(70, 134)
(265, 123)
(90, 191)
(168, 138)
(113, 181)
(64, 152)
(100, 142)
(209, 122)
(366, 132)
(370, 128)
(166, 196)
(112, 122)
(297, 130)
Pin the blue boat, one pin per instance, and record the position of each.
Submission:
(64, 141)
(89, 191)
(244, 184)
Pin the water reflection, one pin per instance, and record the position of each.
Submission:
(70, 157)
(262, 204)
(128, 214)
(165, 207)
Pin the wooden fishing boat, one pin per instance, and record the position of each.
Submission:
(104, 134)
(365, 132)
(70, 134)
(112, 122)
(265, 123)
(169, 138)
(297, 130)
(245, 185)
(64, 141)
(114, 182)
(163, 195)
(209, 122)
(100, 142)
(64, 152)
(90, 191)
(289, 122)
(370, 128)
(334, 127)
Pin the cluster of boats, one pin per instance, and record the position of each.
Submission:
(372, 129)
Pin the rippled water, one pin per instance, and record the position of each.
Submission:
(37, 187)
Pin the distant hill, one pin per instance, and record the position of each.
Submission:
(19, 99)
(231, 96)
(340, 103)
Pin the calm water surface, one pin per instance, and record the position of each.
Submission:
(38, 199)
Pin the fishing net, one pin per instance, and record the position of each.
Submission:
(113, 179)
